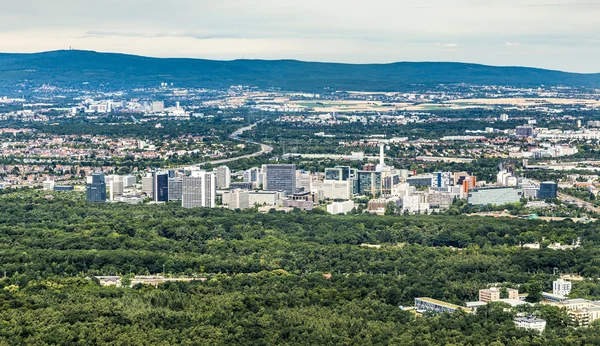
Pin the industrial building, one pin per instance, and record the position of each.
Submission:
(494, 196)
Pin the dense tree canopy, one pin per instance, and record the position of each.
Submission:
(264, 275)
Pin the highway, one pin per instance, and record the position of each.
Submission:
(264, 149)
(574, 200)
(579, 202)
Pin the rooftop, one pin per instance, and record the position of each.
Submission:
(444, 304)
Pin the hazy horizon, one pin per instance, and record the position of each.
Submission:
(559, 34)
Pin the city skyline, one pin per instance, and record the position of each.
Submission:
(556, 34)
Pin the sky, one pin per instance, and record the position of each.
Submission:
(554, 34)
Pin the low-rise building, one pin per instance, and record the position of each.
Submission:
(340, 207)
(425, 304)
(531, 322)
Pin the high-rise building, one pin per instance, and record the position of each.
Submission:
(280, 178)
(175, 188)
(340, 173)
(369, 183)
(161, 187)
(198, 190)
(420, 180)
(335, 189)
(148, 184)
(441, 179)
(223, 177)
(525, 131)
(158, 106)
(548, 189)
(115, 189)
(129, 180)
(96, 190)
(251, 175)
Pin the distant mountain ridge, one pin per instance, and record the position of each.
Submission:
(72, 68)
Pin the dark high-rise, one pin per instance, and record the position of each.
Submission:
(96, 191)
(369, 183)
(548, 189)
(161, 187)
(281, 178)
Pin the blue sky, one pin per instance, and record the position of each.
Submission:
(557, 34)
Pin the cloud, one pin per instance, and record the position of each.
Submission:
(562, 34)
(448, 45)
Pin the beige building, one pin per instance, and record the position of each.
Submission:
(583, 312)
(493, 294)
(489, 294)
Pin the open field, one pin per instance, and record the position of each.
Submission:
(526, 101)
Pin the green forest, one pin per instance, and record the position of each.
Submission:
(263, 279)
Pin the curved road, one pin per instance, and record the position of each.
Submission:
(264, 149)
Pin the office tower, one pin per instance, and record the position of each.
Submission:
(548, 189)
(175, 188)
(96, 190)
(129, 181)
(303, 182)
(251, 175)
(441, 179)
(148, 185)
(158, 106)
(199, 190)
(161, 187)
(223, 177)
(281, 178)
(115, 189)
(525, 131)
(340, 173)
(369, 183)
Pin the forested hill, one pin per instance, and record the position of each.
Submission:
(74, 68)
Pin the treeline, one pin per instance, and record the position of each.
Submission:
(265, 275)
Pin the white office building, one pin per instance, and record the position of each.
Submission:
(115, 189)
(334, 189)
(223, 177)
(198, 190)
(148, 184)
(340, 207)
(129, 181)
(561, 287)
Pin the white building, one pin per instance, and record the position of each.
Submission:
(48, 185)
(223, 177)
(265, 197)
(198, 190)
(334, 189)
(532, 323)
(115, 189)
(129, 180)
(241, 199)
(561, 287)
(340, 207)
(148, 184)
(158, 106)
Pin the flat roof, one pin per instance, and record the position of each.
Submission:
(441, 303)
